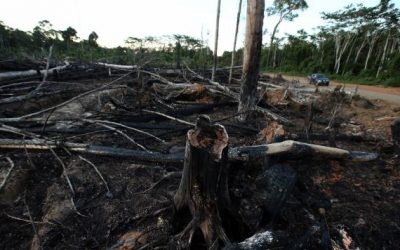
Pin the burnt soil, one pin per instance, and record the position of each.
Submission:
(358, 204)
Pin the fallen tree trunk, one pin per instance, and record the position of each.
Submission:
(18, 74)
(325, 137)
(298, 149)
(40, 144)
(245, 153)
(117, 66)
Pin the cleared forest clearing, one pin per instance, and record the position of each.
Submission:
(100, 170)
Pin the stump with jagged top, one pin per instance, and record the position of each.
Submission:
(203, 186)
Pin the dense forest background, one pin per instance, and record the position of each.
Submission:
(358, 44)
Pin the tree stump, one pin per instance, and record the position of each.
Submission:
(396, 135)
(204, 183)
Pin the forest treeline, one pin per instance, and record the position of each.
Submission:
(358, 43)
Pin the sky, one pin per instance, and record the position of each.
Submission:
(116, 20)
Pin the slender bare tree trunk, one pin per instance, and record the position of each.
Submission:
(398, 42)
(322, 53)
(338, 40)
(383, 58)
(234, 41)
(371, 47)
(393, 47)
(251, 56)
(216, 41)
(339, 51)
(271, 42)
(353, 43)
(274, 57)
(360, 49)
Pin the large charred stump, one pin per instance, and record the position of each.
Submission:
(203, 186)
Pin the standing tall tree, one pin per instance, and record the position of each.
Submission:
(286, 11)
(69, 35)
(216, 41)
(234, 41)
(93, 39)
(251, 56)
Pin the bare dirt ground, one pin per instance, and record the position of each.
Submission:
(390, 94)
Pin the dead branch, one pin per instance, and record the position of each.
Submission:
(17, 119)
(270, 114)
(127, 127)
(216, 84)
(12, 165)
(117, 66)
(30, 221)
(123, 134)
(46, 73)
(64, 170)
(169, 117)
(158, 77)
(274, 116)
(109, 194)
(167, 176)
(33, 224)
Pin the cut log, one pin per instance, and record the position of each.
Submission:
(245, 153)
(297, 149)
(40, 144)
(203, 186)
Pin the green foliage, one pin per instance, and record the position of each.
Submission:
(92, 39)
(359, 44)
(392, 82)
(154, 51)
(286, 8)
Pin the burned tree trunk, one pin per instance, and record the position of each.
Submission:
(203, 186)
(251, 57)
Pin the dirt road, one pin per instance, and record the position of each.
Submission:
(390, 94)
